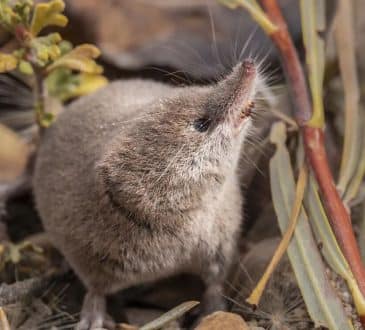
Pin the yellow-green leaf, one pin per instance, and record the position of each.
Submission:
(25, 67)
(46, 14)
(346, 51)
(255, 11)
(8, 62)
(46, 49)
(80, 58)
(46, 119)
(313, 19)
(321, 299)
(63, 84)
(88, 83)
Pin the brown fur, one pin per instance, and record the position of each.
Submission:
(130, 191)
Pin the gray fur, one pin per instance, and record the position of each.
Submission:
(130, 192)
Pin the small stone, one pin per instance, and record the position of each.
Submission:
(222, 320)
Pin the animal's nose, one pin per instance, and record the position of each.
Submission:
(248, 67)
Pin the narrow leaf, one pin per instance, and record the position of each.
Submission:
(359, 172)
(362, 232)
(345, 44)
(330, 247)
(322, 301)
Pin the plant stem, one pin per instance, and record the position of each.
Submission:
(255, 11)
(39, 97)
(314, 144)
(291, 63)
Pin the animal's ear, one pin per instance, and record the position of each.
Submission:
(108, 170)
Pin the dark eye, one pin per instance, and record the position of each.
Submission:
(202, 124)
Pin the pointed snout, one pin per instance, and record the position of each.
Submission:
(248, 68)
(233, 98)
(242, 81)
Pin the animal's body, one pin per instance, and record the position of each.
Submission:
(139, 181)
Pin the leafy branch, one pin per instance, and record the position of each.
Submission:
(58, 70)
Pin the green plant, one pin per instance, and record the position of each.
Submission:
(58, 69)
(326, 205)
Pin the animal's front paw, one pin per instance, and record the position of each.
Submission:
(96, 322)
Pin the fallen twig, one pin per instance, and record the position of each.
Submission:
(12, 293)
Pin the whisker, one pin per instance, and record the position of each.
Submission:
(174, 74)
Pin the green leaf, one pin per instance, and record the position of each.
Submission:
(63, 84)
(47, 119)
(354, 123)
(8, 62)
(65, 47)
(356, 165)
(60, 83)
(46, 49)
(11, 16)
(81, 58)
(25, 67)
(255, 11)
(23, 9)
(313, 19)
(88, 83)
(331, 249)
(46, 14)
(321, 299)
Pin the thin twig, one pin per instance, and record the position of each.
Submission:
(12, 293)
(256, 294)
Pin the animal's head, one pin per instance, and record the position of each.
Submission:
(182, 147)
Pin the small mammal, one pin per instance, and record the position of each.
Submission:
(139, 181)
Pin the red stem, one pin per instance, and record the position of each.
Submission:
(314, 144)
(338, 214)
